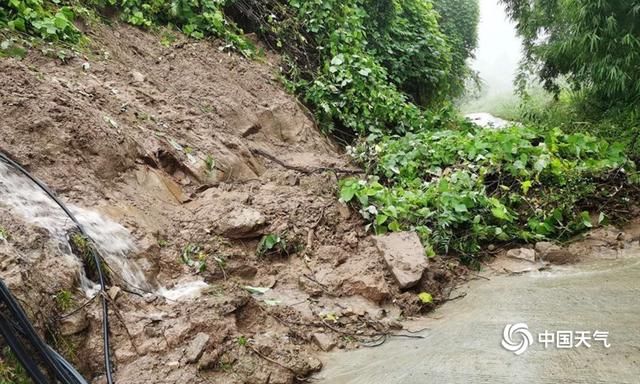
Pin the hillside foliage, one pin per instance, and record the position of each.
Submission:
(381, 75)
(593, 44)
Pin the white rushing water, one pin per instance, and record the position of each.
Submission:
(114, 242)
(184, 291)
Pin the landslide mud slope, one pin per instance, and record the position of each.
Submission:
(188, 146)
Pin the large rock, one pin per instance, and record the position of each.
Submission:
(404, 256)
(196, 348)
(242, 223)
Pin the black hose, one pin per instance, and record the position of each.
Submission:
(9, 329)
(30, 366)
(96, 258)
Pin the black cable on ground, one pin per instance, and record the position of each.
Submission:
(17, 324)
(96, 257)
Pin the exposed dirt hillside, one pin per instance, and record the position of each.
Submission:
(188, 144)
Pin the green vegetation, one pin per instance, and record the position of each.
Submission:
(366, 67)
(11, 372)
(83, 248)
(272, 244)
(4, 235)
(64, 301)
(459, 189)
(53, 19)
(40, 18)
(589, 59)
(459, 23)
(594, 44)
(195, 257)
(242, 341)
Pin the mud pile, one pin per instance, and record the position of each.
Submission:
(198, 153)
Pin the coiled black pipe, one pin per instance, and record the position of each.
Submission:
(96, 258)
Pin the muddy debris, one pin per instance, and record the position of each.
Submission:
(172, 156)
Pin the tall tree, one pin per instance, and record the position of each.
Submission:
(594, 44)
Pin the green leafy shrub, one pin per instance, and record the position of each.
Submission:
(351, 87)
(406, 39)
(194, 257)
(459, 23)
(40, 18)
(363, 66)
(53, 20)
(196, 18)
(459, 189)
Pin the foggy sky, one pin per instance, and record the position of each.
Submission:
(499, 49)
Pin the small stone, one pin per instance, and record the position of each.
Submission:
(113, 292)
(209, 360)
(196, 348)
(523, 254)
(404, 255)
(86, 66)
(242, 223)
(542, 247)
(314, 364)
(74, 324)
(309, 287)
(555, 254)
(150, 297)
(370, 287)
(137, 77)
(344, 211)
(293, 179)
(351, 239)
(244, 271)
(324, 341)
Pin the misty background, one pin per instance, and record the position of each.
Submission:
(497, 58)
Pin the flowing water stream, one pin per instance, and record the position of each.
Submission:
(113, 241)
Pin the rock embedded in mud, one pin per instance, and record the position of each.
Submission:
(113, 292)
(74, 324)
(324, 341)
(404, 255)
(137, 77)
(196, 348)
(242, 223)
(555, 254)
(522, 254)
(543, 247)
